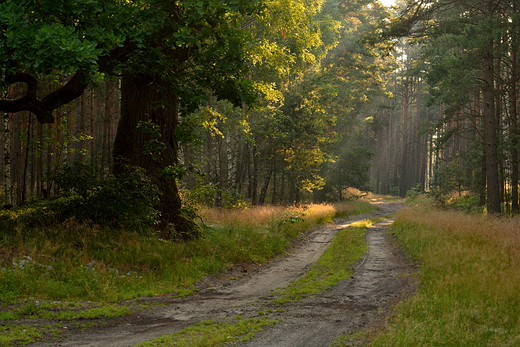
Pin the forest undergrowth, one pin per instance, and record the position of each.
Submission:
(469, 279)
(73, 270)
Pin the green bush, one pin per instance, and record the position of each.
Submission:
(210, 195)
(123, 201)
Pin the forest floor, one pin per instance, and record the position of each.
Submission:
(382, 278)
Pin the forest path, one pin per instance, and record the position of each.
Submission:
(381, 279)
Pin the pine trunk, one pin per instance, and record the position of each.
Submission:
(490, 127)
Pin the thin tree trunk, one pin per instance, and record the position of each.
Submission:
(254, 187)
(490, 126)
(26, 162)
(92, 129)
(83, 126)
(283, 178)
(106, 125)
(7, 161)
(514, 118)
(273, 198)
(267, 179)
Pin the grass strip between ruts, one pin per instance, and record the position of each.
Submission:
(347, 247)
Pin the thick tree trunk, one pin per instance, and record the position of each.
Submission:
(139, 102)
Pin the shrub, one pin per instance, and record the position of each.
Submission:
(125, 201)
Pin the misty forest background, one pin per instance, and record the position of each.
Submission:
(349, 94)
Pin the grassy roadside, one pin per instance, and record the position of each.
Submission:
(347, 246)
(469, 281)
(73, 271)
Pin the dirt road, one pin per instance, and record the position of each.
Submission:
(381, 279)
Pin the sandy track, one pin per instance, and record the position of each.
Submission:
(380, 279)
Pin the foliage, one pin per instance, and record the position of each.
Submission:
(349, 169)
(467, 203)
(129, 201)
(210, 195)
(413, 193)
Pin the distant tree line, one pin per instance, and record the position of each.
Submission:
(453, 120)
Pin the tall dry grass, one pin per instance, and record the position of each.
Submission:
(264, 215)
(470, 281)
(259, 216)
(255, 216)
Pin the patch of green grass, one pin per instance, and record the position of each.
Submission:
(18, 335)
(106, 311)
(211, 333)
(32, 311)
(350, 208)
(469, 281)
(347, 246)
(350, 340)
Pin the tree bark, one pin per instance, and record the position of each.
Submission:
(515, 132)
(490, 125)
(139, 102)
(254, 187)
(267, 179)
(7, 160)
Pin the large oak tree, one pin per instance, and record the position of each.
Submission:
(169, 54)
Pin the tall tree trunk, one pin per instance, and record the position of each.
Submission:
(106, 124)
(490, 125)
(403, 141)
(26, 160)
(39, 160)
(83, 122)
(267, 179)
(254, 187)
(140, 95)
(7, 161)
(515, 132)
(283, 178)
(273, 198)
(92, 129)
(241, 176)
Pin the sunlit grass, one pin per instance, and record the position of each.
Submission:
(469, 281)
(19, 334)
(350, 208)
(211, 333)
